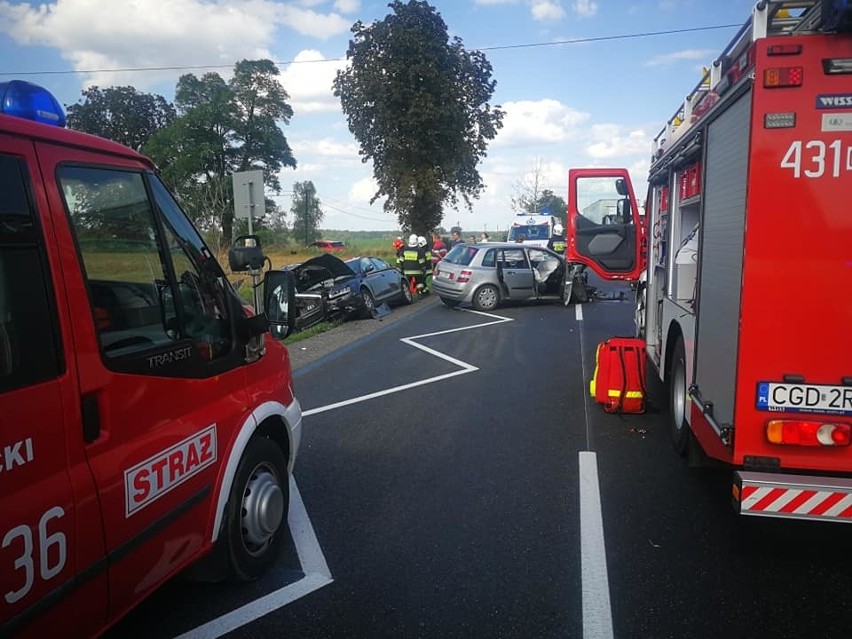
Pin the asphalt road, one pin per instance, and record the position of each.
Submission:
(451, 483)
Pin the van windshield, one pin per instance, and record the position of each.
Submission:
(529, 231)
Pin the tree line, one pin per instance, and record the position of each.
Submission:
(416, 101)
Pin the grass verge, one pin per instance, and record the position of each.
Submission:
(322, 327)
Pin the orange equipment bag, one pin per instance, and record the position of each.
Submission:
(619, 381)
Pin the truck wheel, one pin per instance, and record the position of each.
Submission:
(678, 426)
(257, 510)
(486, 298)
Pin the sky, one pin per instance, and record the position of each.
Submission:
(583, 83)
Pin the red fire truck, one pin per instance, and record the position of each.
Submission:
(147, 420)
(744, 291)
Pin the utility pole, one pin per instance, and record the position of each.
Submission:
(306, 213)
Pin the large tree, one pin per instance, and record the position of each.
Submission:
(531, 197)
(123, 114)
(307, 212)
(418, 104)
(224, 127)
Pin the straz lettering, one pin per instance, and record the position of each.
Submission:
(168, 358)
(834, 101)
(17, 454)
(157, 475)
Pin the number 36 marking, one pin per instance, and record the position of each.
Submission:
(816, 155)
(25, 560)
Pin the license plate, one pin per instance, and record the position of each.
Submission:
(804, 398)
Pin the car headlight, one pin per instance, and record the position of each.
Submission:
(343, 291)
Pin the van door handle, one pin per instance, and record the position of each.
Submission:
(91, 418)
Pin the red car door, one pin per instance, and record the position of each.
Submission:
(53, 572)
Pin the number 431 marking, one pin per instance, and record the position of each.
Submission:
(817, 156)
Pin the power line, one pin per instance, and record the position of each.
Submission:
(625, 36)
(363, 217)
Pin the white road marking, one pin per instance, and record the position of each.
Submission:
(597, 612)
(464, 367)
(308, 549)
(313, 564)
(578, 312)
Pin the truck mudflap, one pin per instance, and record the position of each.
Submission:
(793, 496)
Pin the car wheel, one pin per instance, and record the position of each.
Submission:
(257, 510)
(407, 297)
(448, 302)
(678, 427)
(369, 302)
(486, 298)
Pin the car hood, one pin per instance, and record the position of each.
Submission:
(320, 269)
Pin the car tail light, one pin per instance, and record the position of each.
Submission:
(778, 77)
(464, 276)
(798, 432)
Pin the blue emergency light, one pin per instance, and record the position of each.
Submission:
(30, 101)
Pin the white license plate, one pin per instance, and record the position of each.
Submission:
(804, 398)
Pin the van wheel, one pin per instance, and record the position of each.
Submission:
(678, 427)
(257, 510)
(486, 298)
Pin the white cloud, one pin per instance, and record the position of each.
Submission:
(544, 121)
(308, 82)
(311, 23)
(327, 148)
(347, 6)
(546, 10)
(92, 34)
(363, 190)
(490, 2)
(585, 8)
(666, 59)
(612, 141)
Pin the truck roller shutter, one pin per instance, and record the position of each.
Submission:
(722, 231)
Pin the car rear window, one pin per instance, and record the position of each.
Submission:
(461, 254)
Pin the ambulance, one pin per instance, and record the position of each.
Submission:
(147, 420)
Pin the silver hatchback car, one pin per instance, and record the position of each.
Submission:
(485, 275)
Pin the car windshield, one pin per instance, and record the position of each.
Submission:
(461, 254)
(530, 232)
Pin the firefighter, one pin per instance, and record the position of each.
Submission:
(439, 250)
(413, 263)
(425, 255)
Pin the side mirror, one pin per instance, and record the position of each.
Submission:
(279, 302)
(247, 254)
(621, 186)
(368, 268)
